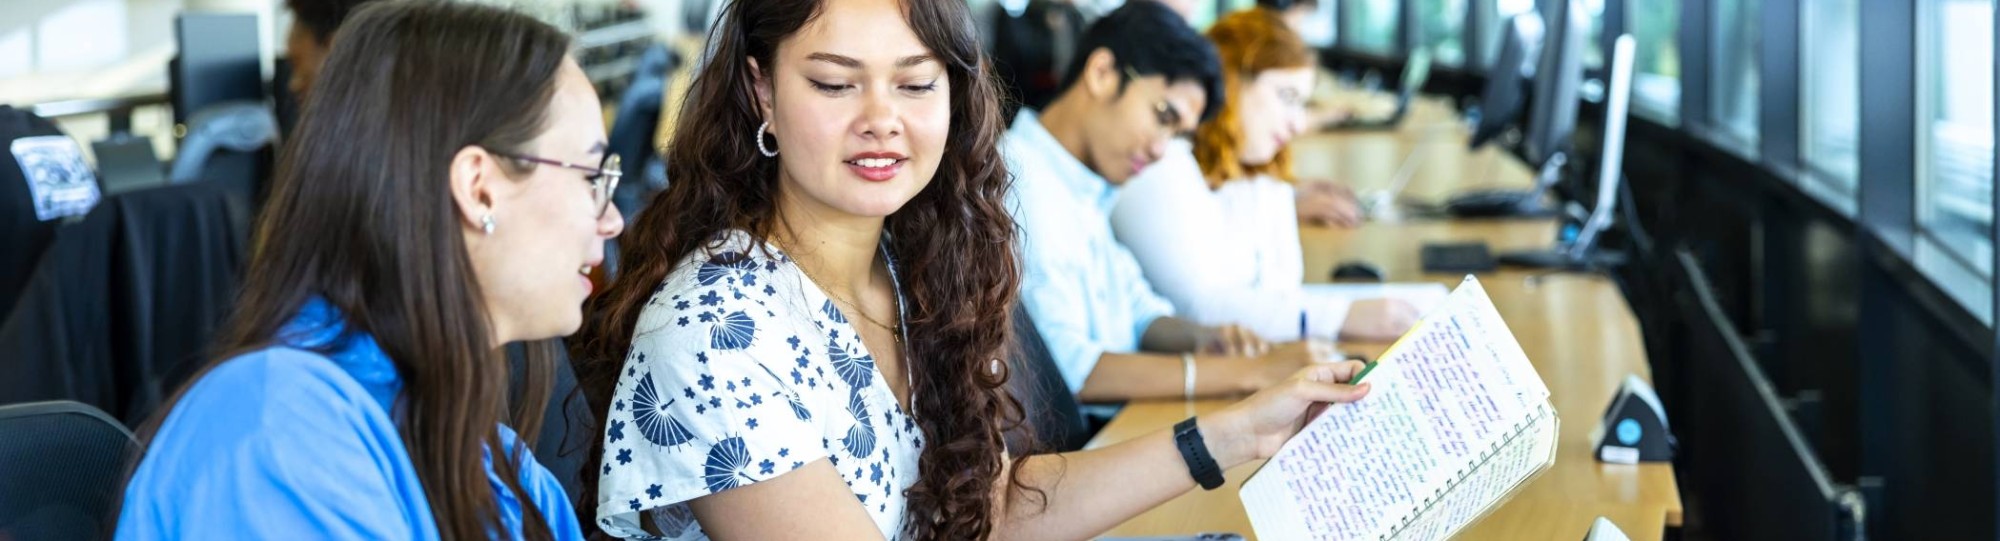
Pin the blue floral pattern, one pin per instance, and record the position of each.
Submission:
(655, 419)
(726, 463)
(742, 370)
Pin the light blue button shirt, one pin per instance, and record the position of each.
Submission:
(1084, 289)
(286, 443)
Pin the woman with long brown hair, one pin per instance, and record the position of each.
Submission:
(1213, 224)
(803, 340)
(431, 207)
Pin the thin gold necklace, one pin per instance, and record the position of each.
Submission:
(850, 304)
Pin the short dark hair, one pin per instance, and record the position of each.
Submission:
(1282, 5)
(1148, 38)
(322, 17)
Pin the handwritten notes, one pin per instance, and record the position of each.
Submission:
(1457, 419)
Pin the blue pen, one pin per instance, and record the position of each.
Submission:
(1302, 325)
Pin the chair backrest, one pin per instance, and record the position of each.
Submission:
(62, 466)
(222, 144)
(123, 304)
(1031, 49)
(569, 427)
(1054, 420)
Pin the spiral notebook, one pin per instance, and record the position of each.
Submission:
(1457, 421)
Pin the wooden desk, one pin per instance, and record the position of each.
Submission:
(1576, 329)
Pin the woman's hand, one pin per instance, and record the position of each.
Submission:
(1234, 341)
(1257, 426)
(1378, 320)
(1284, 361)
(1325, 203)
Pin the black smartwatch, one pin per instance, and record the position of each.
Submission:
(1194, 451)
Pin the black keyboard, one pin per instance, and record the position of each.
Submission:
(1465, 258)
(1496, 204)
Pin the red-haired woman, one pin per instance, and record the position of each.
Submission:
(1216, 229)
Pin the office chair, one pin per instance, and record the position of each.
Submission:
(123, 304)
(568, 426)
(1031, 48)
(217, 63)
(238, 126)
(62, 466)
(1054, 421)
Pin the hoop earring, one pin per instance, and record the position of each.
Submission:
(767, 151)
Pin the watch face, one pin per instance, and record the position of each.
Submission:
(1184, 428)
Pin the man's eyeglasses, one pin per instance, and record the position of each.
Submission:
(1163, 112)
(1170, 119)
(603, 178)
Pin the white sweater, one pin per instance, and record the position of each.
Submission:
(1225, 256)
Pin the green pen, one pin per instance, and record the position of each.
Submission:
(1363, 373)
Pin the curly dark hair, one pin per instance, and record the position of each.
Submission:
(954, 243)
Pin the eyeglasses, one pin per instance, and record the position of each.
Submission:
(1170, 119)
(1163, 112)
(603, 178)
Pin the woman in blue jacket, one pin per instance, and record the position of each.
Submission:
(444, 194)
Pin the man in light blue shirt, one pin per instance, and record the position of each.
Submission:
(1145, 78)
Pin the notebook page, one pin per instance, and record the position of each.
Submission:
(1480, 321)
(1439, 397)
(1452, 368)
(1355, 469)
(1488, 482)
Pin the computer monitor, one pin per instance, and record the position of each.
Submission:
(1416, 72)
(1505, 94)
(1610, 172)
(1580, 252)
(218, 62)
(1552, 43)
(1558, 77)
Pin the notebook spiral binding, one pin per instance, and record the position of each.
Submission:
(1459, 477)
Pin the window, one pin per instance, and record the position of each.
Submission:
(1370, 26)
(1955, 132)
(1443, 26)
(1732, 77)
(1830, 94)
(1202, 13)
(1319, 30)
(1496, 13)
(1656, 74)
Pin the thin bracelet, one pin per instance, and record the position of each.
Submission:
(1187, 369)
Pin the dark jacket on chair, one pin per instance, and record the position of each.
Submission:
(124, 302)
